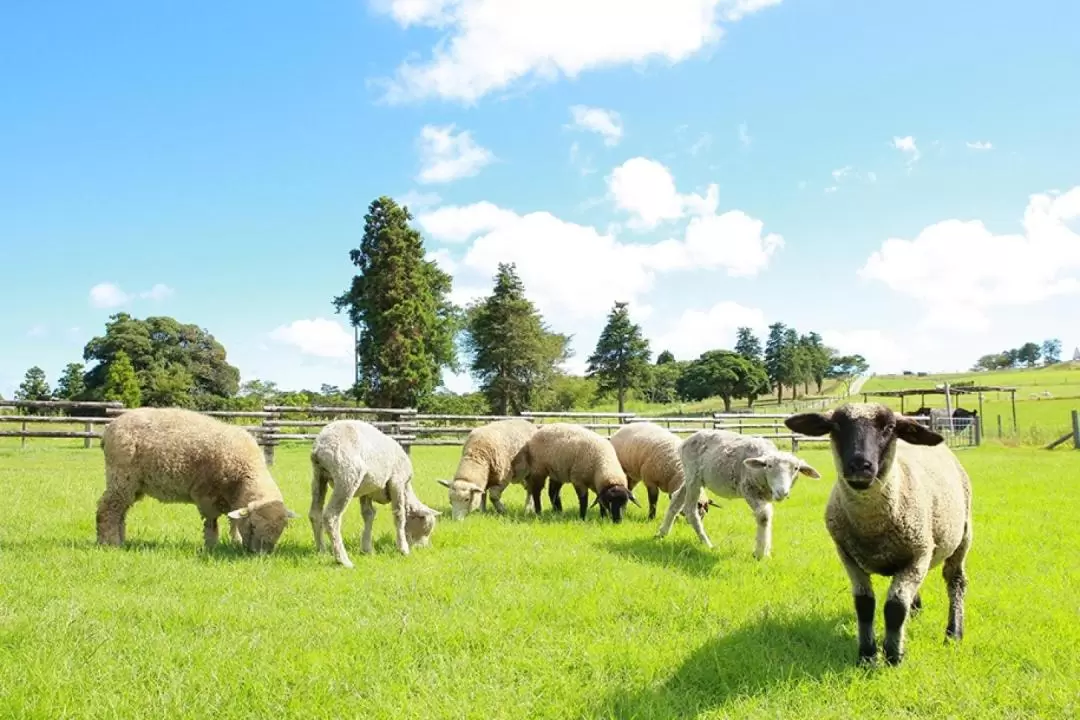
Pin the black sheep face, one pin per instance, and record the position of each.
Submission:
(613, 499)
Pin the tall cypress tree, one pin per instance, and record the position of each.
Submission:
(621, 359)
(775, 366)
(399, 301)
(514, 354)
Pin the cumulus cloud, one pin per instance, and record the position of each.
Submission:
(109, 295)
(696, 331)
(419, 201)
(646, 190)
(882, 352)
(980, 145)
(959, 270)
(907, 146)
(160, 291)
(318, 337)
(489, 45)
(605, 123)
(456, 224)
(446, 156)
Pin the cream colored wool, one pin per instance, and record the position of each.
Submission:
(486, 466)
(649, 454)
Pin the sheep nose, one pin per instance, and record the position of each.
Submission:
(860, 465)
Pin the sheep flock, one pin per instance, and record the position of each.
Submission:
(901, 503)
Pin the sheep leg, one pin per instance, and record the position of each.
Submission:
(862, 589)
(675, 502)
(367, 511)
(902, 591)
(398, 497)
(111, 515)
(535, 485)
(690, 509)
(654, 496)
(553, 495)
(318, 498)
(210, 531)
(339, 500)
(583, 500)
(763, 513)
(956, 583)
(234, 532)
(483, 501)
(496, 499)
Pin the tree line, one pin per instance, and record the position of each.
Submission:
(1027, 355)
(410, 333)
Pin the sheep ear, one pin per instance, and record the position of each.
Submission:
(239, 513)
(633, 499)
(712, 503)
(809, 471)
(755, 463)
(595, 501)
(915, 433)
(424, 511)
(475, 489)
(444, 483)
(810, 423)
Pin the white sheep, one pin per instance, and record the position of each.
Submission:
(732, 465)
(485, 467)
(649, 454)
(570, 453)
(182, 456)
(901, 505)
(361, 461)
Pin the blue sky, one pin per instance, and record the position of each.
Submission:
(901, 177)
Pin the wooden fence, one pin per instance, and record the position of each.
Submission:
(277, 424)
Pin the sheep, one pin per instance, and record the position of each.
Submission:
(570, 453)
(361, 461)
(485, 466)
(734, 465)
(649, 454)
(182, 456)
(901, 505)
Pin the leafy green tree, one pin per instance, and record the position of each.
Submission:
(34, 386)
(162, 351)
(1029, 353)
(620, 361)
(661, 387)
(1051, 351)
(120, 381)
(665, 357)
(400, 303)
(846, 368)
(71, 385)
(514, 355)
(722, 373)
(748, 345)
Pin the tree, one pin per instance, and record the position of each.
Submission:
(71, 385)
(514, 355)
(175, 363)
(400, 303)
(661, 387)
(120, 381)
(1051, 351)
(747, 344)
(665, 357)
(845, 368)
(794, 363)
(1029, 353)
(621, 359)
(34, 386)
(724, 374)
(775, 366)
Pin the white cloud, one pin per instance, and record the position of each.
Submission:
(646, 190)
(841, 172)
(443, 259)
(606, 123)
(489, 45)
(419, 201)
(446, 156)
(980, 145)
(907, 146)
(959, 270)
(160, 291)
(318, 337)
(107, 295)
(703, 142)
(882, 352)
(696, 331)
(456, 224)
(744, 135)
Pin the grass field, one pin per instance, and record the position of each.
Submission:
(520, 617)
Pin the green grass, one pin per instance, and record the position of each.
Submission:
(519, 617)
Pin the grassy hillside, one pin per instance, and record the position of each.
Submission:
(1039, 418)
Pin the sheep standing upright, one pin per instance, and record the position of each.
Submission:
(485, 467)
(734, 465)
(901, 505)
(361, 461)
(649, 454)
(182, 456)
(569, 453)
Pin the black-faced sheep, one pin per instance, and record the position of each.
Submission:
(732, 465)
(901, 505)
(569, 453)
(649, 454)
(182, 456)
(361, 461)
(485, 467)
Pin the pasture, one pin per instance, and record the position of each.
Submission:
(517, 616)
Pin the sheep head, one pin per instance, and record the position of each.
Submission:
(613, 499)
(464, 497)
(419, 523)
(261, 523)
(863, 438)
(778, 471)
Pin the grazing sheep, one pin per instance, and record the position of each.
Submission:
(570, 453)
(361, 461)
(649, 454)
(901, 506)
(485, 466)
(182, 456)
(734, 465)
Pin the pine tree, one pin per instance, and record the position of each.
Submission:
(400, 303)
(775, 366)
(748, 345)
(121, 383)
(34, 386)
(71, 385)
(621, 359)
(514, 355)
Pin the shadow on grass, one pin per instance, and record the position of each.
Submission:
(759, 658)
(225, 549)
(691, 557)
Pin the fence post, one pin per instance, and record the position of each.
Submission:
(978, 431)
(999, 427)
(89, 429)
(1076, 429)
(23, 443)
